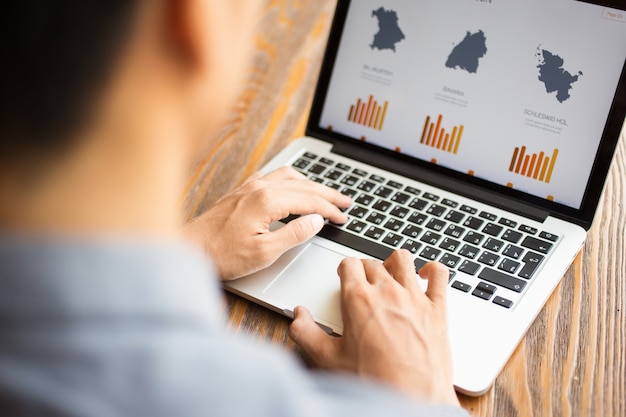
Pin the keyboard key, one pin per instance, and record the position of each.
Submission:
(327, 161)
(382, 205)
(356, 226)
(454, 231)
(488, 216)
(537, 244)
(482, 294)
(342, 167)
(528, 229)
(333, 185)
(400, 198)
(469, 251)
(412, 190)
(317, 179)
(333, 174)
(502, 279)
(358, 212)
(412, 231)
(469, 267)
(483, 286)
(473, 238)
(377, 178)
(394, 184)
(399, 212)
(430, 253)
(507, 222)
(417, 218)
(532, 261)
(374, 232)
(502, 302)
(349, 192)
(394, 225)
(509, 265)
(359, 172)
(450, 244)
(383, 192)
(492, 229)
(366, 186)
(512, 236)
(488, 259)
(449, 260)
(376, 218)
(431, 197)
(449, 203)
(301, 163)
(418, 204)
(412, 246)
(365, 199)
(393, 239)
(436, 224)
(461, 286)
(350, 240)
(310, 155)
(513, 251)
(493, 245)
(549, 236)
(419, 263)
(317, 169)
(468, 209)
(474, 223)
(430, 237)
(436, 210)
(350, 180)
(454, 216)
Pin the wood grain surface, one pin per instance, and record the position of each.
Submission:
(572, 361)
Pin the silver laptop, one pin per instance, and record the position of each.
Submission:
(476, 133)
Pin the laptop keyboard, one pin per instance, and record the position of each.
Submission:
(500, 255)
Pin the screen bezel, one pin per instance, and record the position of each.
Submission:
(600, 168)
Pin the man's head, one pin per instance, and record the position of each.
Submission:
(61, 57)
(107, 100)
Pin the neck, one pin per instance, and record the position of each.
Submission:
(111, 184)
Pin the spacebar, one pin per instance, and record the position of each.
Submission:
(355, 242)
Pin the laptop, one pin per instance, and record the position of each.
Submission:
(475, 133)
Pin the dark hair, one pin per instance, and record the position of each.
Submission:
(54, 57)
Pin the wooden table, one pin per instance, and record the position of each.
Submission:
(572, 361)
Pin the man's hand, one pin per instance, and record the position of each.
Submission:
(393, 331)
(236, 233)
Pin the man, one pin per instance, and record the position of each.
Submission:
(104, 309)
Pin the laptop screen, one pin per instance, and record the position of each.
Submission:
(516, 93)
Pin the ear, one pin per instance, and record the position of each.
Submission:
(187, 23)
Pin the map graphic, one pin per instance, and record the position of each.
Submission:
(466, 54)
(553, 75)
(389, 33)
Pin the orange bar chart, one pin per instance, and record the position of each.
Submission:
(368, 113)
(435, 135)
(537, 166)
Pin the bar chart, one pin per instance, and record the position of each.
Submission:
(369, 113)
(537, 166)
(436, 136)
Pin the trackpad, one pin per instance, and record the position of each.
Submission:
(310, 281)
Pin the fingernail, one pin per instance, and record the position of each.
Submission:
(317, 221)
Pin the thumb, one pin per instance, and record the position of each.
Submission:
(299, 230)
(319, 345)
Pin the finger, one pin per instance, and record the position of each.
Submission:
(257, 175)
(296, 232)
(401, 267)
(323, 349)
(375, 271)
(351, 273)
(283, 173)
(437, 276)
(302, 201)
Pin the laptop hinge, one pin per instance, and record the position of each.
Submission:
(417, 173)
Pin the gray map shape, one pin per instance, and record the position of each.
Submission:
(466, 54)
(389, 33)
(554, 76)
